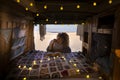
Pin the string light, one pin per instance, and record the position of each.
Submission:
(26, 9)
(30, 68)
(24, 78)
(61, 8)
(19, 66)
(83, 23)
(75, 65)
(34, 62)
(18, 1)
(78, 70)
(31, 4)
(100, 77)
(110, 1)
(24, 67)
(45, 6)
(94, 3)
(37, 14)
(41, 61)
(55, 22)
(46, 19)
(87, 76)
(78, 6)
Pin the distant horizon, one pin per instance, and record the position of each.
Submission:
(58, 28)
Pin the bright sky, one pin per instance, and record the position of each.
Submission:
(59, 28)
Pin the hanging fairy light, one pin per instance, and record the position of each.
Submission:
(26, 9)
(78, 6)
(37, 14)
(31, 4)
(45, 6)
(100, 77)
(19, 66)
(110, 1)
(24, 67)
(24, 78)
(30, 68)
(61, 8)
(46, 19)
(18, 1)
(94, 3)
(87, 76)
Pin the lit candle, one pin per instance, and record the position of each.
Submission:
(87, 76)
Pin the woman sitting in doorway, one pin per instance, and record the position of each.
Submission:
(61, 44)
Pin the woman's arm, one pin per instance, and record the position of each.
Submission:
(50, 47)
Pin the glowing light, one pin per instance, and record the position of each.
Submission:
(30, 68)
(75, 65)
(26, 9)
(54, 57)
(34, 62)
(31, 4)
(19, 66)
(24, 67)
(87, 76)
(83, 23)
(18, 1)
(100, 77)
(48, 59)
(37, 14)
(61, 8)
(78, 6)
(110, 1)
(46, 19)
(41, 61)
(55, 22)
(70, 61)
(45, 6)
(57, 56)
(24, 78)
(94, 3)
(77, 70)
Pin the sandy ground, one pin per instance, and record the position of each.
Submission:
(75, 43)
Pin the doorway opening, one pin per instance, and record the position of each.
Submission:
(51, 33)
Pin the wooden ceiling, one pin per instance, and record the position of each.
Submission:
(70, 14)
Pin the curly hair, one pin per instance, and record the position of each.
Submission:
(65, 38)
